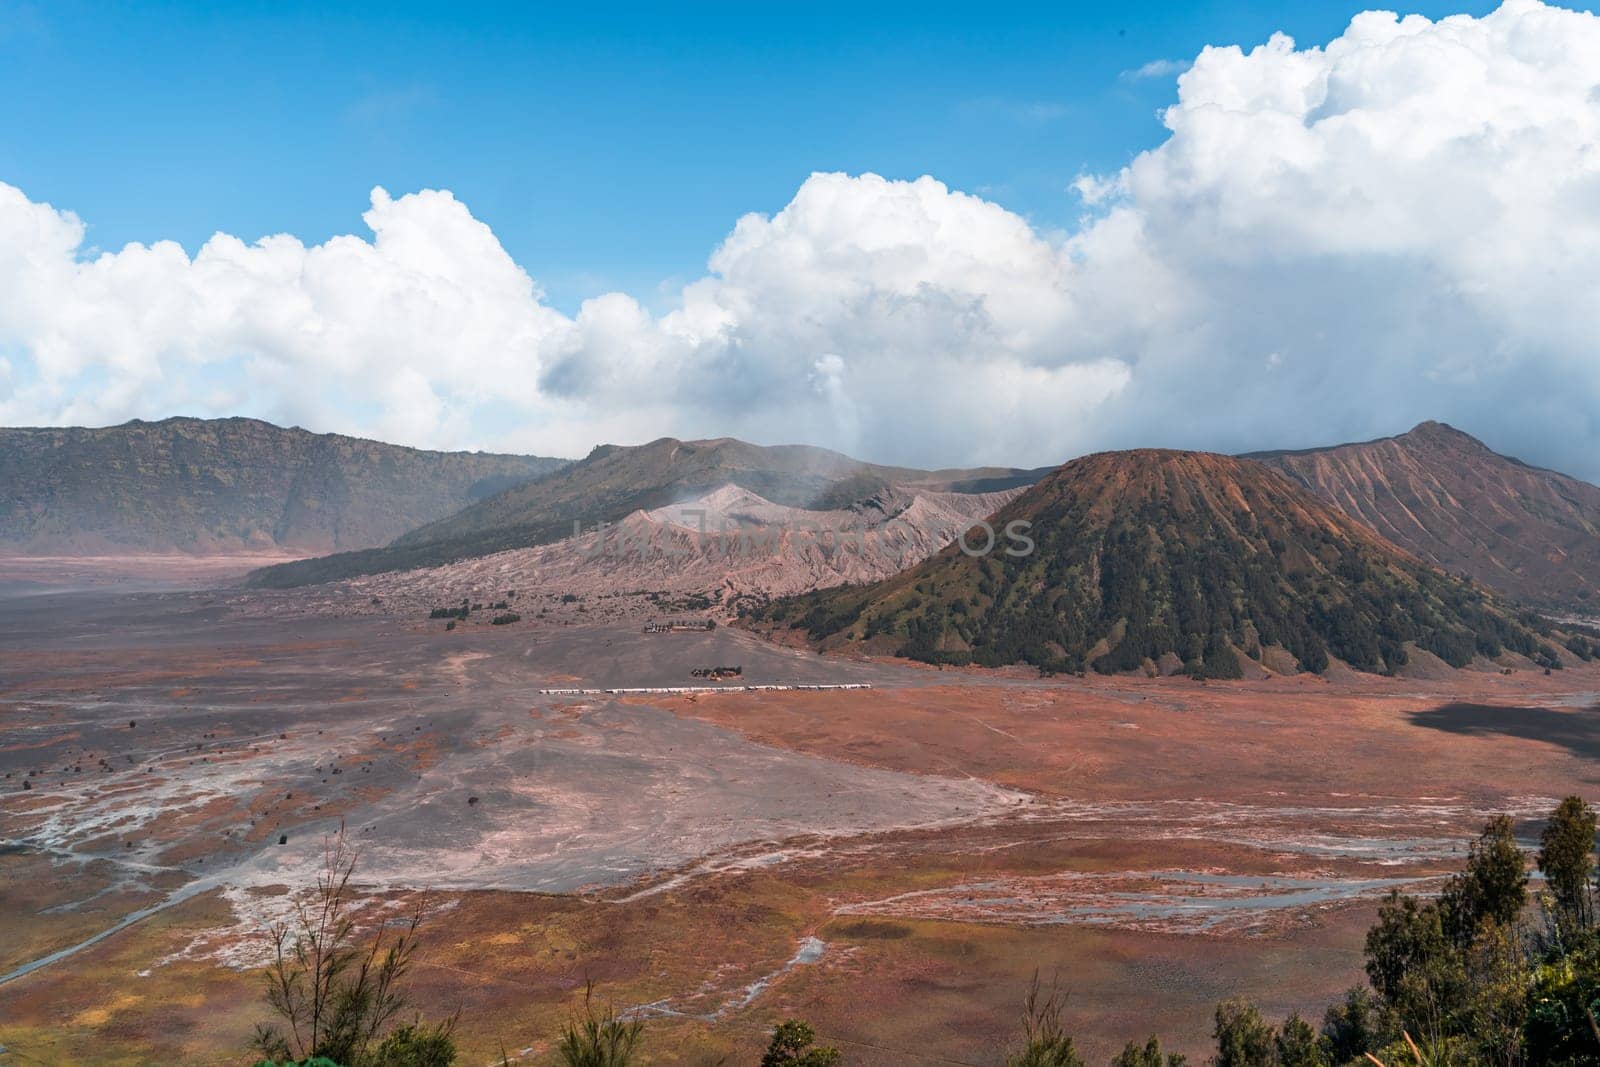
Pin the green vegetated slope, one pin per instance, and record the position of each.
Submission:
(613, 481)
(218, 485)
(1172, 560)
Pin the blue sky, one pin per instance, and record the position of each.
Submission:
(1388, 219)
(609, 148)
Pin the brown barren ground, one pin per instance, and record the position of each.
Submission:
(1144, 738)
(891, 864)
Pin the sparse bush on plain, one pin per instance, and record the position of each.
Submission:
(595, 1038)
(1461, 980)
(1045, 1041)
(337, 1001)
(794, 1044)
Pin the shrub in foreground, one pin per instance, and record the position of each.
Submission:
(794, 1045)
(339, 1003)
(594, 1038)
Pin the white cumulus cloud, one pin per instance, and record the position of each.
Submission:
(1332, 242)
(427, 318)
(1405, 223)
(947, 309)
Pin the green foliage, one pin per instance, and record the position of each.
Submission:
(409, 1045)
(1566, 860)
(1456, 979)
(1492, 889)
(336, 999)
(1407, 954)
(1045, 1041)
(1427, 1052)
(594, 1038)
(1351, 1028)
(1563, 1003)
(793, 1045)
(1147, 1055)
(1298, 1045)
(1496, 1008)
(1116, 586)
(1244, 1038)
(505, 619)
(1546, 657)
(418, 1045)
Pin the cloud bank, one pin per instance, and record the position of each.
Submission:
(1332, 242)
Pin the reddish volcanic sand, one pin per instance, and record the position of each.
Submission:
(1158, 844)
(1130, 738)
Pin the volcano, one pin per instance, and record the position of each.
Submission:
(1165, 561)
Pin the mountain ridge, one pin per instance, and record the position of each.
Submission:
(726, 547)
(1527, 532)
(614, 481)
(1164, 559)
(205, 486)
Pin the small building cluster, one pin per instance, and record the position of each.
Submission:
(716, 674)
(669, 626)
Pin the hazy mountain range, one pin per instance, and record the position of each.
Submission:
(613, 482)
(1424, 545)
(229, 485)
(728, 545)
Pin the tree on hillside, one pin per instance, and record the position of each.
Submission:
(1350, 1028)
(1431, 963)
(1411, 966)
(1244, 1038)
(1466, 981)
(1149, 1054)
(1566, 859)
(1298, 1045)
(1496, 1008)
(1563, 1004)
(794, 1045)
(1461, 980)
(1493, 888)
